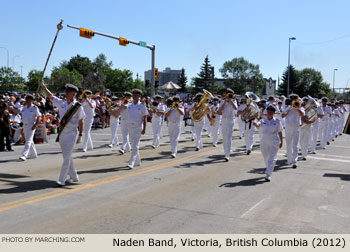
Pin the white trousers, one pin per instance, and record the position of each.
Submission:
(323, 133)
(174, 131)
(341, 124)
(227, 130)
(292, 138)
(193, 132)
(215, 130)
(29, 147)
(87, 143)
(269, 151)
(249, 135)
(135, 136)
(198, 127)
(156, 127)
(305, 139)
(241, 125)
(125, 133)
(114, 128)
(67, 140)
(314, 135)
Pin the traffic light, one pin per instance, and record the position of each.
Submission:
(123, 41)
(147, 84)
(156, 74)
(86, 33)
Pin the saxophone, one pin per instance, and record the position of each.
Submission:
(201, 109)
(213, 116)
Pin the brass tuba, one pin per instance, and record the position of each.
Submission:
(201, 109)
(310, 110)
(251, 107)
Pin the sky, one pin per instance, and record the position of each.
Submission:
(183, 32)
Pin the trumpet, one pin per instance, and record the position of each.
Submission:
(296, 104)
(176, 105)
(230, 96)
(125, 101)
(83, 96)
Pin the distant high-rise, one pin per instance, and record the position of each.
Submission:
(164, 76)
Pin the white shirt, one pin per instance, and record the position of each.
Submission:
(29, 115)
(217, 116)
(269, 130)
(293, 117)
(158, 118)
(136, 113)
(89, 112)
(228, 113)
(63, 106)
(15, 118)
(327, 111)
(175, 117)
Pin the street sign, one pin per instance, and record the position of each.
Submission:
(143, 44)
(86, 33)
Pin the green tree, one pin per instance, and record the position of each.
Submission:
(33, 80)
(293, 82)
(204, 77)
(182, 81)
(62, 76)
(10, 80)
(313, 84)
(242, 76)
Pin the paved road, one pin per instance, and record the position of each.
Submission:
(195, 193)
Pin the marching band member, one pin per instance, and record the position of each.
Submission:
(334, 121)
(198, 126)
(342, 111)
(293, 115)
(89, 106)
(214, 116)
(241, 123)
(305, 132)
(114, 113)
(315, 130)
(271, 139)
(327, 111)
(137, 121)
(249, 127)
(174, 117)
(190, 107)
(157, 112)
(72, 115)
(30, 117)
(227, 110)
(124, 117)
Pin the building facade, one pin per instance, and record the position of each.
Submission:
(164, 76)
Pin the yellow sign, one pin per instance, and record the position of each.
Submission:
(123, 41)
(86, 33)
(347, 89)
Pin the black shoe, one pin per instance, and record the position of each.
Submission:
(11, 150)
(197, 149)
(304, 158)
(328, 143)
(248, 152)
(294, 166)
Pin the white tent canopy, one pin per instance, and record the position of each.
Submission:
(170, 86)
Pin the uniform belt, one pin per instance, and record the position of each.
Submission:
(227, 118)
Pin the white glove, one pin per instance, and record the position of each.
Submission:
(79, 139)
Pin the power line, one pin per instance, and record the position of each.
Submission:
(323, 42)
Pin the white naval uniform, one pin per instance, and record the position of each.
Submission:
(157, 121)
(305, 138)
(269, 142)
(89, 119)
(174, 127)
(341, 119)
(198, 128)
(68, 137)
(293, 121)
(124, 117)
(136, 114)
(227, 122)
(193, 132)
(114, 128)
(249, 130)
(324, 123)
(29, 117)
(315, 129)
(215, 129)
(241, 123)
(334, 124)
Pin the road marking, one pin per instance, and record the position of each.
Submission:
(253, 207)
(68, 190)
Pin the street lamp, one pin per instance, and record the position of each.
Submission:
(292, 38)
(13, 62)
(8, 55)
(335, 69)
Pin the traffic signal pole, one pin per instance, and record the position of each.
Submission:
(139, 43)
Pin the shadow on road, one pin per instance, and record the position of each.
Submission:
(280, 165)
(11, 176)
(106, 170)
(213, 159)
(345, 177)
(247, 182)
(28, 186)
